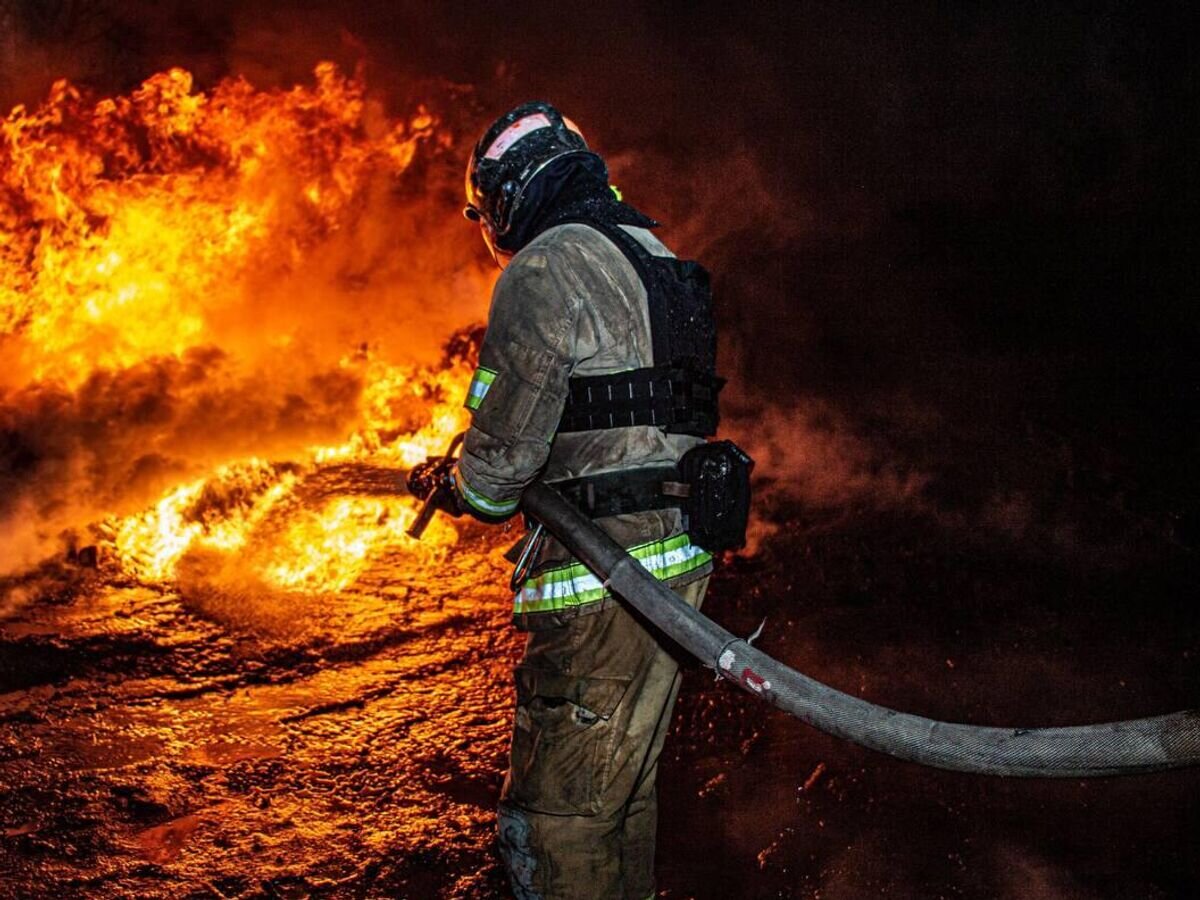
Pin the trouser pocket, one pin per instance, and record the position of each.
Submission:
(563, 741)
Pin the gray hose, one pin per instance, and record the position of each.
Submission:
(1112, 748)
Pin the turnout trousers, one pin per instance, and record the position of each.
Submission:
(578, 811)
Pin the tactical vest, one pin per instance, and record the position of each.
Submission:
(678, 393)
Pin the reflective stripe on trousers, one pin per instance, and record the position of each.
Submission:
(573, 585)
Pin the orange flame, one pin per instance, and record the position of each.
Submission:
(139, 227)
(147, 207)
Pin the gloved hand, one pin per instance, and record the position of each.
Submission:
(426, 477)
(433, 482)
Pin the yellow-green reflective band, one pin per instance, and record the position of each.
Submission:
(575, 585)
(616, 192)
(480, 383)
(480, 502)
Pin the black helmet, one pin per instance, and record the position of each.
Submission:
(514, 150)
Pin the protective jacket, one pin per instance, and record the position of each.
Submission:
(568, 304)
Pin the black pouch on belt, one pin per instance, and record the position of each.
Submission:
(710, 486)
(718, 505)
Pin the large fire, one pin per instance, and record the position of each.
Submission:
(155, 227)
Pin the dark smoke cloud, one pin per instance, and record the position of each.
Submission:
(122, 437)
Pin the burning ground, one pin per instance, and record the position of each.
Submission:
(231, 314)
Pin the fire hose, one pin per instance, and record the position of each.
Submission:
(1112, 748)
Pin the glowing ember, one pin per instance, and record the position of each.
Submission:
(143, 227)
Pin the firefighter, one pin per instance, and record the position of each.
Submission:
(596, 374)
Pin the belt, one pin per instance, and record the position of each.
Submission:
(626, 491)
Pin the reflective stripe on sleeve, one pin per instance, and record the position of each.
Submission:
(573, 585)
(480, 502)
(480, 383)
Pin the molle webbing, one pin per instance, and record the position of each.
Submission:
(678, 400)
(679, 392)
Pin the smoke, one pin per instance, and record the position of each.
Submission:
(123, 436)
(1023, 873)
(22, 543)
(707, 205)
(811, 457)
(223, 590)
(870, 865)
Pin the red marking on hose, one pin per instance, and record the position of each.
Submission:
(753, 680)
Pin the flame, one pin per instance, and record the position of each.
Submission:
(152, 542)
(141, 227)
(322, 550)
(328, 548)
(145, 207)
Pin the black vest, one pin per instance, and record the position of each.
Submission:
(679, 392)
